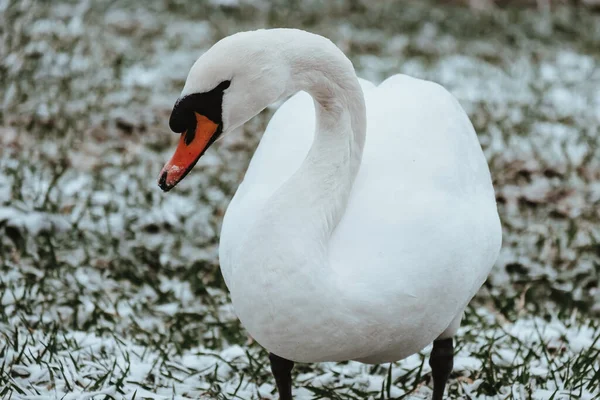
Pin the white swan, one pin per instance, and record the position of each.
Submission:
(363, 241)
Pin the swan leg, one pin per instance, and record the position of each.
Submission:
(282, 371)
(441, 361)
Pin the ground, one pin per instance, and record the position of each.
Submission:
(110, 288)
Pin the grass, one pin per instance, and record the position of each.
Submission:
(111, 289)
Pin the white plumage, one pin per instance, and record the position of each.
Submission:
(367, 218)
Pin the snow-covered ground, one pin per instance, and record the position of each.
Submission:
(110, 288)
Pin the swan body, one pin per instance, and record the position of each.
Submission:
(418, 238)
(366, 220)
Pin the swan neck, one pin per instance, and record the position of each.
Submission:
(332, 163)
(290, 236)
(314, 199)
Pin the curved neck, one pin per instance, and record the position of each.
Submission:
(320, 189)
(296, 223)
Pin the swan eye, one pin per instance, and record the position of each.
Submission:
(224, 85)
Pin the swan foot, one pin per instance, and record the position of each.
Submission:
(441, 361)
(282, 371)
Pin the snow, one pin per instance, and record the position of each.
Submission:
(135, 363)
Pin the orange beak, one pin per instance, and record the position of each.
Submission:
(192, 144)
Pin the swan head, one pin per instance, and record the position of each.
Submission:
(228, 85)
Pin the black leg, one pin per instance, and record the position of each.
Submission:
(441, 362)
(282, 371)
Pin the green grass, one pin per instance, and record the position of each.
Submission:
(110, 287)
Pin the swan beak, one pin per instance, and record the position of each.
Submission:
(192, 144)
